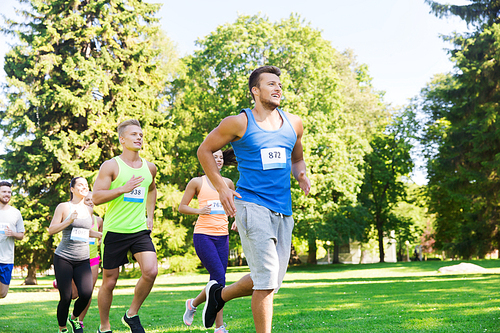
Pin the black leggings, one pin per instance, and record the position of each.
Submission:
(66, 271)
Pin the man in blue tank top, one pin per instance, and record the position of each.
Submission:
(267, 144)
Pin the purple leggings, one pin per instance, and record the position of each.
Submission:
(213, 252)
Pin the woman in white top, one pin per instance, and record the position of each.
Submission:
(71, 258)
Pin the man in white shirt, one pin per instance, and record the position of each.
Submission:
(11, 228)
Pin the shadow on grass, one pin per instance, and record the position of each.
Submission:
(421, 266)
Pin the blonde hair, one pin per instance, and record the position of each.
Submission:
(124, 124)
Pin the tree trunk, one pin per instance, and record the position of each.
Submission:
(311, 257)
(336, 251)
(31, 277)
(381, 242)
(294, 257)
(400, 251)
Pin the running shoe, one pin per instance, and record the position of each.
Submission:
(65, 330)
(221, 329)
(134, 323)
(75, 324)
(190, 311)
(211, 305)
(99, 330)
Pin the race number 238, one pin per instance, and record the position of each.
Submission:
(273, 158)
(136, 195)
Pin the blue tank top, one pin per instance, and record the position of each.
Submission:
(264, 163)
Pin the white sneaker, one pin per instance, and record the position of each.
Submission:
(189, 313)
(221, 329)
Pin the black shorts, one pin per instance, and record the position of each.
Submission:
(117, 245)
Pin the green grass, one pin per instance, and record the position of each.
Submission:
(400, 297)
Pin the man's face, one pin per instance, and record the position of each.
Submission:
(132, 138)
(5, 194)
(269, 90)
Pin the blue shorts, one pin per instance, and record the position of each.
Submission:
(6, 273)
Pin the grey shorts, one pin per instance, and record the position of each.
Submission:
(266, 238)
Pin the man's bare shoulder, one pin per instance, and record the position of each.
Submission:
(296, 121)
(111, 163)
(109, 168)
(293, 117)
(235, 123)
(152, 168)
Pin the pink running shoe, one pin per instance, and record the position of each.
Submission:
(190, 311)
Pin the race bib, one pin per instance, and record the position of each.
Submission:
(80, 234)
(136, 195)
(273, 158)
(92, 241)
(216, 207)
(3, 226)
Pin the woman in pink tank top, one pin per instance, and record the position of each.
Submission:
(211, 235)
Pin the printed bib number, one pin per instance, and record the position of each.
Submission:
(92, 241)
(80, 234)
(273, 158)
(216, 207)
(136, 195)
(3, 226)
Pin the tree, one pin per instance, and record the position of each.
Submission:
(328, 90)
(383, 186)
(412, 219)
(79, 69)
(462, 142)
(478, 12)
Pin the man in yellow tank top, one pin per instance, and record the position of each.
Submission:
(126, 183)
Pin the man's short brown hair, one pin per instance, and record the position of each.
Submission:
(254, 79)
(123, 125)
(5, 183)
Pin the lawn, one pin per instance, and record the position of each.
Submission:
(388, 297)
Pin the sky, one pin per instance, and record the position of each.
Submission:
(399, 40)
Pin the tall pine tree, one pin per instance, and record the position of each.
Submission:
(462, 138)
(79, 69)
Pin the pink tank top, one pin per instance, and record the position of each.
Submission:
(215, 223)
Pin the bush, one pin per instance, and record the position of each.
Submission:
(185, 263)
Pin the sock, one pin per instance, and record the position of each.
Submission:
(126, 314)
(218, 298)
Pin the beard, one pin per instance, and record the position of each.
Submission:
(4, 200)
(270, 104)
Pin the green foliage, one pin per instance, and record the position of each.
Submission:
(184, 263)
(461, 138)
(412, 218)
(478, 12)
(54, 128)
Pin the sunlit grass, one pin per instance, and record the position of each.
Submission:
(400, 297)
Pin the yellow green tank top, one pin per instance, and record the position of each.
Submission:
(93, 243)
(127, 213)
